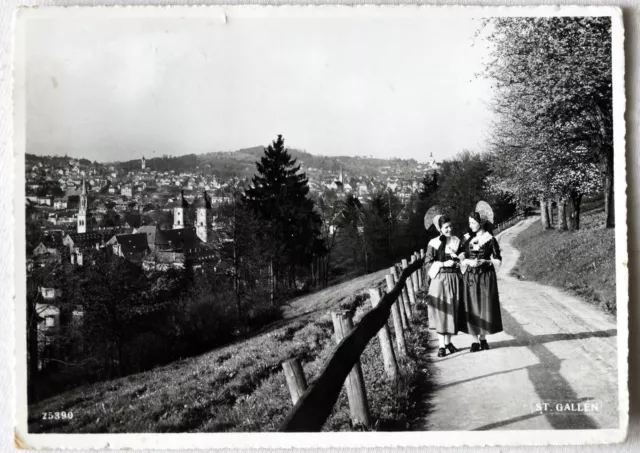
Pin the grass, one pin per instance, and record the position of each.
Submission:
(241, 387)
(582, 261)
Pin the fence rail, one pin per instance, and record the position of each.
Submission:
(508, 223)
(314, 406)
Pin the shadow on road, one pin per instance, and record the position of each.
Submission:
(550, 338)
(497, 373)
(548, 382)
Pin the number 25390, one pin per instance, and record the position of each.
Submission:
(57, 415)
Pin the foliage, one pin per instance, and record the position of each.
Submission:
(279, 197)
(553, 100)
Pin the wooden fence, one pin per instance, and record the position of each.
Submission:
(313, 405)
(507, 223)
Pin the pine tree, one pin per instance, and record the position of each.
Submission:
(279, 196)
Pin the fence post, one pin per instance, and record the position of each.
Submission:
(418, 283)
(356, 394)
(388, 356)
(391, 282)
(397, 322)
(296, 381)
(403, 297)
(423, 255)
(405, 290)
(405, 307)
(412, 294)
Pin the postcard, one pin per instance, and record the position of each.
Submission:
(319, 226)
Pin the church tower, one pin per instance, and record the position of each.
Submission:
(341, 176)
(178, 212)
(202, 207)
(82, 210)
(144, 163)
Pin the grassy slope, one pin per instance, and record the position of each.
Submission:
(241, 387)
(582, 262)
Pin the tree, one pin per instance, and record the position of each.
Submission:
(463, 182)
(279, 196)
(118, 301)
(553, 100)
(242, 243)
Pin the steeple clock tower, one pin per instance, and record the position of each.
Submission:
(178, 213)
(202, 206)
(82, 210)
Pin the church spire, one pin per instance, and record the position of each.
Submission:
(82, 209)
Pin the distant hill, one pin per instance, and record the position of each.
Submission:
(241, 163)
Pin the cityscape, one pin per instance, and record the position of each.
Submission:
(158, 219)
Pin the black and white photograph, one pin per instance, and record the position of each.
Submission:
(360, 220)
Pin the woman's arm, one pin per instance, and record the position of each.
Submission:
(496, 250)
(497, 257)
(430, 256)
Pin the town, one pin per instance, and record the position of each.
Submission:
(157, 219)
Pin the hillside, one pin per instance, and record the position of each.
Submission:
(582, 262)
(241, 163)
(239, 387)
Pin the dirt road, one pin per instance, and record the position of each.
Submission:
(555, 349)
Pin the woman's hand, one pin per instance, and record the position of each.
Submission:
(448, 263)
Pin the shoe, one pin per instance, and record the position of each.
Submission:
(442, 352)
(451, 348)
(475, 347)
(484, 346)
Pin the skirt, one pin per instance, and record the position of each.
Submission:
(443, 306)
(481, 303)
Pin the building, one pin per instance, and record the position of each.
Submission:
(432, 164)
(156, 239)
(78, 243)
(127, 191)
(179, 211)
(203, 207)
(144, 163)
(82, 210)
(133, 247)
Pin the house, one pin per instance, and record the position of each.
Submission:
(60, 203)
(78, 242)
(50, 245)
(126, 191)
(130, 246)
(45, 201)
(156, 240)
(182, 239)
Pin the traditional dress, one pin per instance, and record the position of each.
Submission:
(480, 292)
(445, 288)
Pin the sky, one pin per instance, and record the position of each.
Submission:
(119, 86)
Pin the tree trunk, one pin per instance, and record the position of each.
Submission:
(544, 213)
(271, 284)
(609, 205)
(562, 215)
(573, 217)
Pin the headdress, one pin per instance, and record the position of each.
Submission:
(432, 217)
(485, 212)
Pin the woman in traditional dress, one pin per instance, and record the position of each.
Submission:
(481, 303)
(446, 284)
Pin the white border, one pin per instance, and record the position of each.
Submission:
(339, 440)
